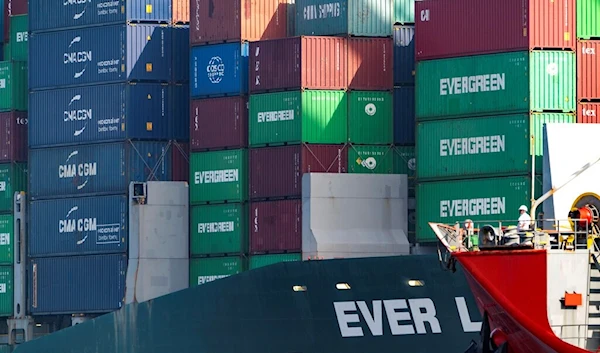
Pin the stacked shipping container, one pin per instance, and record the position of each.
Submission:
(486, 83)
(108, 91)
(588, 61)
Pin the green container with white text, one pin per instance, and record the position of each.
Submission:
(370, 117)
(219, 229)
(369, 159)
(19, 48)
(208, 269)
(218, 176)
(258, 261)
(13, 85)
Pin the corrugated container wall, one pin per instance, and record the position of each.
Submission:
(588, 69)
(219, 229)
(181, 12)
(404, 11)
(588, 113)
(368, 159)
(588, 19)
(181, 53)
(276, 172)
(18, 39)
(180, 111)
(217, 123)
(276, 226)
(206, 270)
(7, 292)
(100, 113)
(487, 199)
(469, 27)
(482, 147)
(11, 8)
(219, 176)
(3, 20)
(370, 64)
(237, 20)
(298, 62)
(404, 55)
(13, 86)
(89, 170)
(76, 284)
(7, 234)
(405, 163)
(370, 117)
(219, 69)
(266, 260)
(78, 226)
(363, 18)
(13, 136)
(53, 15)
(180, 161)
(498, 83)
(313, 116)
(404, 115)
(100, 55)
(13, 178)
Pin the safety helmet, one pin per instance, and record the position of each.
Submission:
(523, 208)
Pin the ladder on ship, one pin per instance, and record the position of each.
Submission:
(593, 329)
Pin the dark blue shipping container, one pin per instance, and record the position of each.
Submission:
(219, 70)
(404, 55)
(100, 55)
(47, 15)
(78, 226)
(96, 169)
(180, 97)
(181, 54)
(404, 115)
(76, 284)
(90, 114)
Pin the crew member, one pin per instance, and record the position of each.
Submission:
(524, 219)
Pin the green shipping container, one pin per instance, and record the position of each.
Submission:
(483, 146)
(219, 176)
(266, 260)
(13, 178)
(588, 19)
(370, 117)
(361, 18)
(405, 163)
(293, 117)
(6, 50)
(219, 229)
(486, 199)
(7, 227)
(18, 50)
(13, 86)
(6, 291)
(370, 159)
(209, 269)
(404, 11)
(515, 82)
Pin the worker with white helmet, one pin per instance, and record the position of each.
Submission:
(524, 219)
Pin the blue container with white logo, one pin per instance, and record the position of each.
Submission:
(103, 113)
(76, 284)
(404, 55)
(96, 55)
(404, 115)
(78, 226)
(180, 110)
(181, 54)
(49, 15)
(100, 169)
(219, 70)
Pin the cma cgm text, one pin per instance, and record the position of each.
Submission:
(472, 84)
(473, 207)
(79, 225)
(73, 170)
(472, 145)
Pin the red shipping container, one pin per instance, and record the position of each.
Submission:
(180, 161)
(468, 27)
(181, 11)
(588, 62)
(13, 136)
(587, 113)
(219, 123)
(300, 62)
(215, 21)
(276, 172)
(276, 226)
(370, 64)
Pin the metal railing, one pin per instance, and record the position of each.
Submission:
(580, 337)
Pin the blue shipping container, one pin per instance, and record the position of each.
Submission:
(404, 55)
(181, 54)
(100, 55)
(404, 115)
(78, 226)
(76, 284)
(219, 69)
(96, 169)
(48, 15)
(89, 114)
(180, 112)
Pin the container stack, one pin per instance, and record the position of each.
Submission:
(101, 115)
(13, 137)
(486, 84)
(588, 61)
(220, 38)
